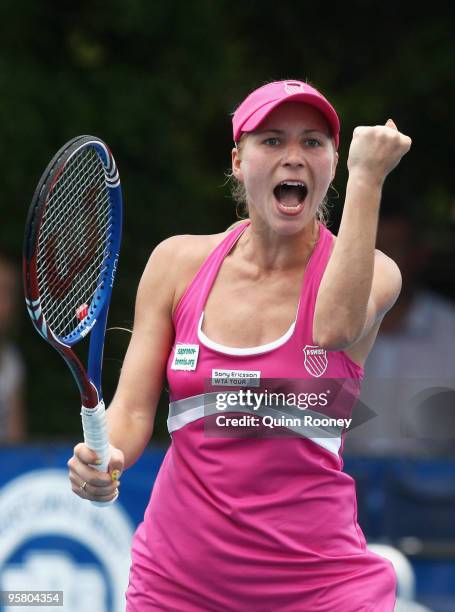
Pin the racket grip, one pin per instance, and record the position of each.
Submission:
(94, 424)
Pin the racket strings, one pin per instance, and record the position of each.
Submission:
(56, 197)
(74, 241)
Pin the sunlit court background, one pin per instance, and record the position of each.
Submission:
(158, 82)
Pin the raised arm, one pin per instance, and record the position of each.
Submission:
(360, 284)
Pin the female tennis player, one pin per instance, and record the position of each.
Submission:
(263, 523)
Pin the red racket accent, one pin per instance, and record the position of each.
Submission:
(82, 312)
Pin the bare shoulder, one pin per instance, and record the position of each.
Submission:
(183, 251)
(182, 245)
(176, 260)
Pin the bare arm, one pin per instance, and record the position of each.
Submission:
(360, 284)
(131, 414)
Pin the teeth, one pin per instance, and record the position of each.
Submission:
(293, 183)
(288, 192)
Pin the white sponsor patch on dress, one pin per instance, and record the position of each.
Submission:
(185, 357)
(239, 378)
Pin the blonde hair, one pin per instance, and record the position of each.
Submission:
(239, 195)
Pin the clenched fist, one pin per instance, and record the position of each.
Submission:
(377, 150)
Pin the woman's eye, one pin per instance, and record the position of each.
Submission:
(273, 142)
(313, 143)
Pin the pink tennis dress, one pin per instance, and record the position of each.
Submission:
(262, 520)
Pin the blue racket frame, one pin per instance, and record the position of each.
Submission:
(89, 382)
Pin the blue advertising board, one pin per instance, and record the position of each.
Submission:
(51, 540)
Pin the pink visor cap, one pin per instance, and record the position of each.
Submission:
(255, 108)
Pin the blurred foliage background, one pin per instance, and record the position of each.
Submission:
(158, 82)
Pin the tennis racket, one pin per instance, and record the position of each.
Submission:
(71, 250)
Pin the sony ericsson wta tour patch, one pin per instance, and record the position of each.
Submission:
(315, 360)
(240, 378)
(185, 357)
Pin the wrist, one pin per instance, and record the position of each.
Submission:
(366, 178)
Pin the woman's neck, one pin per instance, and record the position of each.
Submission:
(272, 252)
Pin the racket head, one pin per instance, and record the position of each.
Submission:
(72, 241)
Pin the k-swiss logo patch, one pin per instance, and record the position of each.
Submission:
(185, 357)
(315, 360)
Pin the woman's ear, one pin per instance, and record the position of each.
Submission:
(236, 164)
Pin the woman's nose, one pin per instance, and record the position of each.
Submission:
(293, 156)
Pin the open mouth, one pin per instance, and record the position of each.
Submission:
(290, 196)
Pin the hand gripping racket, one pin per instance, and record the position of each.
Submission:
(71, 250)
